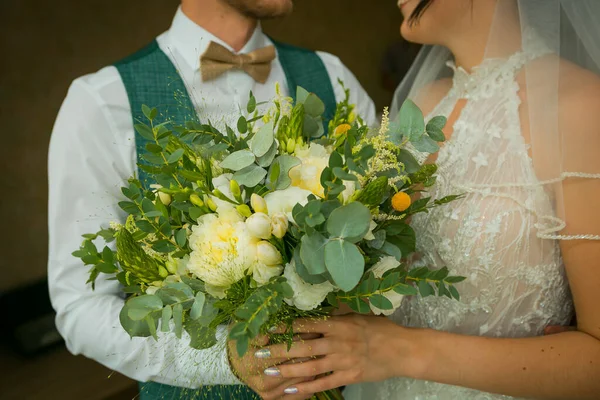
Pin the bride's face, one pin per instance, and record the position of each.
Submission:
(436, 22)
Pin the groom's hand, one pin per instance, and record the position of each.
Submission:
(259, 372)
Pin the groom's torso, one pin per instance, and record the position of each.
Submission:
(218, 100)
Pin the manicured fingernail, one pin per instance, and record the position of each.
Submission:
(291, 390)
(272, 371)
(272, 329)
(263, 353)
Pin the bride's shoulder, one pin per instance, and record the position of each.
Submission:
(428, 97)
(579, 104)
(579, 91)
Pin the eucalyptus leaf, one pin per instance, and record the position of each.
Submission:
(250, 176)
(438, 122)
(426, 145)
(201, 336)
(336, 160)
(267, 159)
(302, 271)
(351, 222)
(314, 106)
(178, 319)
(171, 295)
(263, 140)
(392, 250)
(343, 175)
(286, 163)
(238, 160)
(196, 310)
(139, 307)
(313, 127)
(344, 263)
(411, 122)
(301, 95)
(167, 313)
(312, 253)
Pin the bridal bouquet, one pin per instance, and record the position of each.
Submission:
(271, 223)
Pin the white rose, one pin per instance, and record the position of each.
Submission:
(307, 175)
(267, 254)
(306, 296)
(259, 225)
(284, 201)
(384, 265)
(279, 225)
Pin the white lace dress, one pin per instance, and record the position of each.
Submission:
(516, 283)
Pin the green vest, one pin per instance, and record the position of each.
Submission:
(150, 78)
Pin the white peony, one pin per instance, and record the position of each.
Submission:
(259, 225)
(306, 296)
(384, 265)
(307, 175)
(223, 250)
(284, 201)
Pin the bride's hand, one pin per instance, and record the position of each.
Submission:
(355, 348)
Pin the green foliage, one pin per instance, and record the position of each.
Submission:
(344, 262)
(263, 303)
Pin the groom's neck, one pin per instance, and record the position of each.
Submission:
(222, 20)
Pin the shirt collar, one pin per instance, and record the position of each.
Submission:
(191, 40)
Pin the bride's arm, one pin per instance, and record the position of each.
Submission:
(561, 366)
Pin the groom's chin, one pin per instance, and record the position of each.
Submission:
(263, 9)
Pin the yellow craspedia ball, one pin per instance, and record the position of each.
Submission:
(342, 129)
(401, 201)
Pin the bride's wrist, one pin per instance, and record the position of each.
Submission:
(416, 351)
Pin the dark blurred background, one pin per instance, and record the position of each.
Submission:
(44, 45)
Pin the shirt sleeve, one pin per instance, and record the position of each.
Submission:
(88, 163)
(338, 71)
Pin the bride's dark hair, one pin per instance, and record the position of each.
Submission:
(419, 11)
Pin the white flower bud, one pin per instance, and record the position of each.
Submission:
(268, 254)
(258, 204)
(280, 224)
(259, 225)
(165, 198)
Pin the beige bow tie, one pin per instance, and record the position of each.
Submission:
(217, 60)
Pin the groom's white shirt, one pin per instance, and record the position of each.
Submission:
(92, 153)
